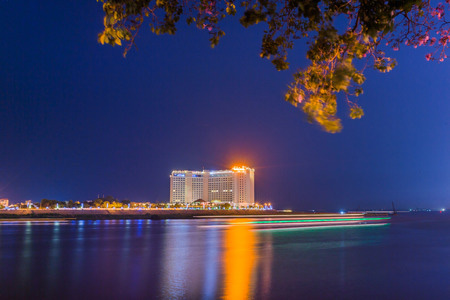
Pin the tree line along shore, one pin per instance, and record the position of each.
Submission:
(109, 202)
(107, 214)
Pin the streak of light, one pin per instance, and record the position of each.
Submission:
(320, 227)
(315, 220)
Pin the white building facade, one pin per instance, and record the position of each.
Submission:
(235, 186)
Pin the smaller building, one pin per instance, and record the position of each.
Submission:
(4, 202)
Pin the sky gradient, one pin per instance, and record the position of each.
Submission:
(78, 120)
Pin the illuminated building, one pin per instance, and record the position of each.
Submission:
(235, 186)
(4, 202)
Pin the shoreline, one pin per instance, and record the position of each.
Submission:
(114, 214)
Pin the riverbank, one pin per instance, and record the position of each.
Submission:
(113, 214)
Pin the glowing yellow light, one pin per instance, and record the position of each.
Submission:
(240, 258)
(239, 169)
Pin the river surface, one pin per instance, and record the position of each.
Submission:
(202, 259)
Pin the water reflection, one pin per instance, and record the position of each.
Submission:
(184, 259)
(124, 256)
(79, 251)
(239, 260)
(211, 263)
(265, 261)
(342, 262)
(175, 261)
(26, 254)
(54, 256)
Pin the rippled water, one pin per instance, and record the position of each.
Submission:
(195, 259)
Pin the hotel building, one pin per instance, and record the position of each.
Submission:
(235, 186)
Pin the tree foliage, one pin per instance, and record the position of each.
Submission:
(345, 37)
(50, 203)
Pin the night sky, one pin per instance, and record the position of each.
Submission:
(78, 120)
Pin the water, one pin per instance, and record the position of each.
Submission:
(194, 259)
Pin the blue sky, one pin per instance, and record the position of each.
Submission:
(77, 119)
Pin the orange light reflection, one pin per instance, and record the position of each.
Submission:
(240, 259)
